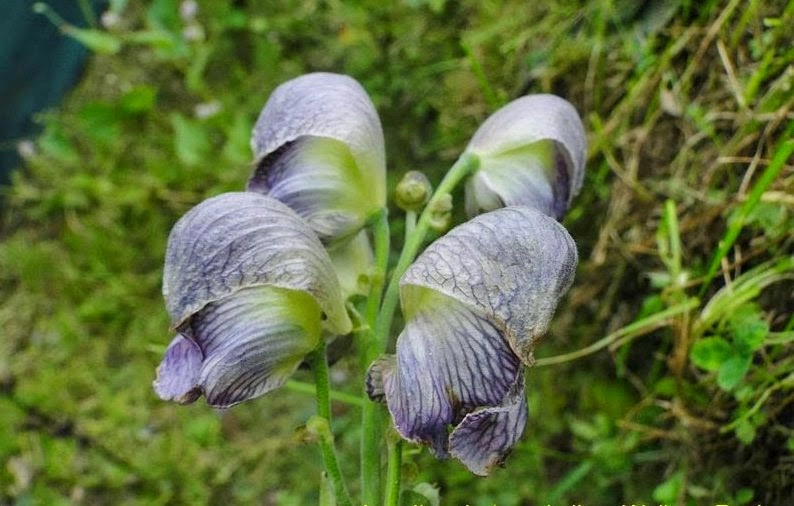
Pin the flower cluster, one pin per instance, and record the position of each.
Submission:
(477, 299)
(256, 280)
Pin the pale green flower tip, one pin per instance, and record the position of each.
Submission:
(532, 152)
(353, 261)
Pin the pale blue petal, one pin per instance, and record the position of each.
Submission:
(243, 239)
(253, 341)
(502, 141)
(178, 373)
(449, 364)
(510, 266)
(523, 177)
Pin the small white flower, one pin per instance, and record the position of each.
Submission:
(207, 109)
(110, 19)
(26, 149)
(193, 33)
(188, 10)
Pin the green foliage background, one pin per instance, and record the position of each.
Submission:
(680, 389)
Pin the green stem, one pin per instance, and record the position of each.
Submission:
(466, 165)
(308, 388)
(322, 425)
(380, 233)
(371, 413)
(394, 467)
(394, 443)
(380, 316)
(50, 14)
(410, 223)
(619, 337)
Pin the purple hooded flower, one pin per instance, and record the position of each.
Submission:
(250, 291)
(475, 303)
(318, 147)
(532, 153)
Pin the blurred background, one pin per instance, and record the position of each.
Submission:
(668, 374)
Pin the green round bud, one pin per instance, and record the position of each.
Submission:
(413, 191)
(441, 213)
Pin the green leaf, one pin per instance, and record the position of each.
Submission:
(237, 148)
(56, 144)
(749, 328)
(744, 495)
(139, 100)
(666, 386)
(429, 492)
(95, 40)
(733, 370)
(668, 491)
(101, 123)
(711, 352)
(745, 432)
(191, 141)
(770, 217)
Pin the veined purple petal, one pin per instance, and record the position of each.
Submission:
(253, 341)
(239, 240)
(178, 373)
(484, 438)
(318, 145)
(510, 266)
(451, 365)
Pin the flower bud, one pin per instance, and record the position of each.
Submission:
(441, 213)
(413, 191)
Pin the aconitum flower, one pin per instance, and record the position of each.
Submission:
(532, 153)
(475, 303)
(318, 147)
(250, 291)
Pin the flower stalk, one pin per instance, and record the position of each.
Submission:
(372, 414)
(463, 167)
(321, 425)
